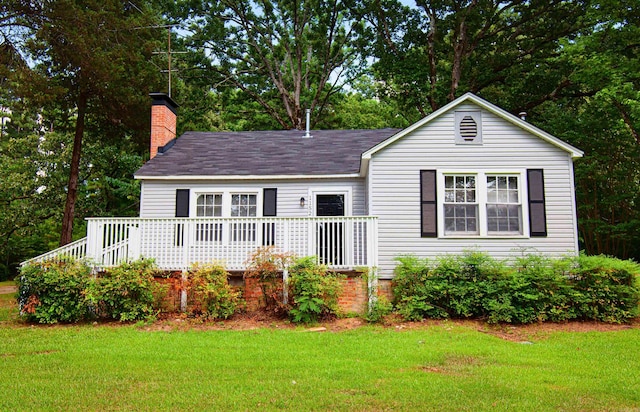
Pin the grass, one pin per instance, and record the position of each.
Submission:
(447, 367)
(440, 368)
(8, 310)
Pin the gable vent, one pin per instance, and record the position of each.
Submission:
(468, 129)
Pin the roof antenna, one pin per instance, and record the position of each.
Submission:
(307, 134)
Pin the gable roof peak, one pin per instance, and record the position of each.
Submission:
(490, 107)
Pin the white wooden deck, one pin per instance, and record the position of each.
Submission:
(179, 243)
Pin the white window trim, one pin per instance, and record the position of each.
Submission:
(481, 198)
(226, 199)
(194, 211)
(339, 190)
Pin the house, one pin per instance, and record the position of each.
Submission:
(470, 175)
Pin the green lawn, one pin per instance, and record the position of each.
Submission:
(439, 368)
(447, 367)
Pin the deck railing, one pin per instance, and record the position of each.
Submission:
(178, 243)
(77, 250)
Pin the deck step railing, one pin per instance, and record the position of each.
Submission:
(76, 250)
(178, 243)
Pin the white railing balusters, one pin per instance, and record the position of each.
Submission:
(178, 243)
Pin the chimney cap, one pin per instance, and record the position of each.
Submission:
(163, 99)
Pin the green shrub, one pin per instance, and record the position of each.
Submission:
(126, 292)
(313, 291)
(453, 286)
(67, 291)
(415, 293)
(210, 293)
(607, 288)
(534, 289)
(52, 292)
(380, 308)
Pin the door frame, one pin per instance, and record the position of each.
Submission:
(339, 190)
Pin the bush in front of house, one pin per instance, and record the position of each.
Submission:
(474, 285)
(67, 292)
(52, 292)
(210, 294)
(607, 289)
(313, 291)
(126, 292)
(265, 266)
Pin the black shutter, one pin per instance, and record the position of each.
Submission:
(269, 202)
(428, 204)
(182, 202)
(269, 208)
(537, 208)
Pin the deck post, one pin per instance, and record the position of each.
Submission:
(372, 286)
(285, 285)
(183, 292)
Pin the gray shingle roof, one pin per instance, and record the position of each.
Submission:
(283, 152)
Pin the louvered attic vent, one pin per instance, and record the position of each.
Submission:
(468, 129)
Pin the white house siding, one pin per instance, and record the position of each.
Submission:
(395, 188)
(158, 198)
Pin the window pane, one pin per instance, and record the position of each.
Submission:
(472, 225)
(471, 181)
(449, 196)
(471, 196)
(502, 182)
(448, 182)
(504, 218)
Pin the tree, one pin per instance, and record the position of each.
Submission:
(606, 125)
(91, 62)
(426, 55)
(286, 56)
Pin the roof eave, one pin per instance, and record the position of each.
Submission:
(249, 177)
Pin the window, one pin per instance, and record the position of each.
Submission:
(209, 205)
(243, 205)
(476, 204)
(504, 211)
(460, 204)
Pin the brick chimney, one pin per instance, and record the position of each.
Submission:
(163, 121)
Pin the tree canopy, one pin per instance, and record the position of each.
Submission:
(75, 75)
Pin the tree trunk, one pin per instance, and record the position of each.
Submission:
(72, 187)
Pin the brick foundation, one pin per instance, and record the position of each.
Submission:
(353, 297)
(384, 289)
